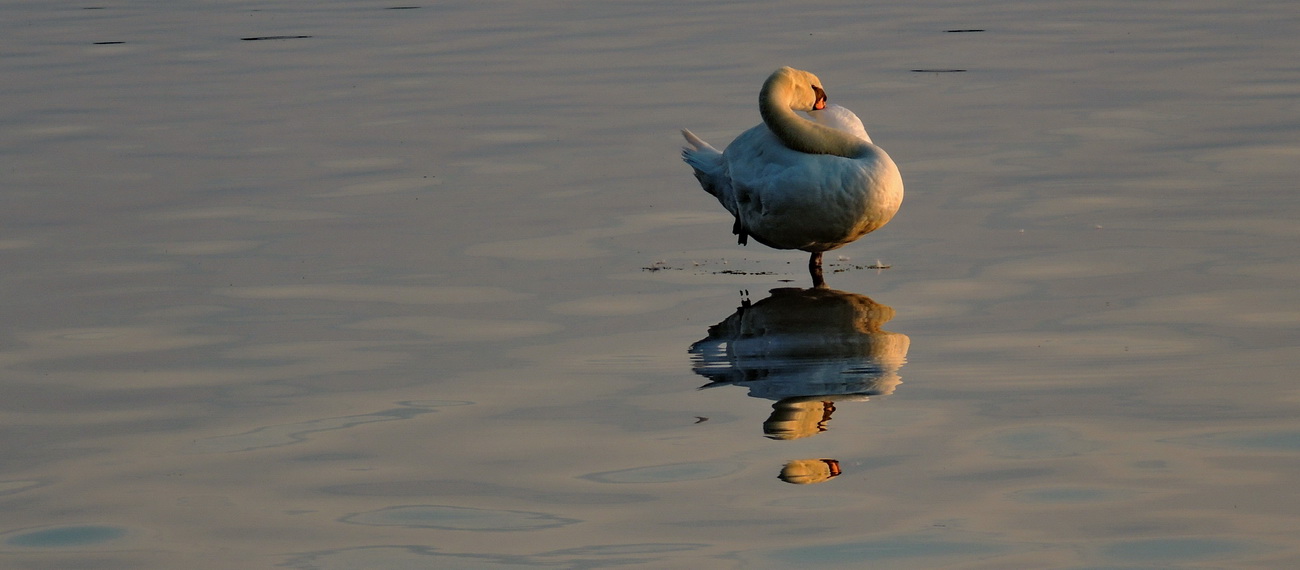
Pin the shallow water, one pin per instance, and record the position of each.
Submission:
(430, 287)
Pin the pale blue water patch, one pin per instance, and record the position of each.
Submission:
(1038, 442)
(1159, 550)
(21, 485)
(1070, 495)
(1262, 440)
(328, 457)
(412, 557)
(458, 518)
(70, 536)
(668, 473)
(288, 434)
(401, 557)
(625, 549)
(1152, 464)
(1001, 474)
(919, 552)
(466, 488)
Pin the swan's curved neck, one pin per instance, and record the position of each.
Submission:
(776, 103)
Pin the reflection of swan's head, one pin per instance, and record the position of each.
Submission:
(809, 471)
(793, 88)
(793, 418)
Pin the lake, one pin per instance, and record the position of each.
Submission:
(329, 285)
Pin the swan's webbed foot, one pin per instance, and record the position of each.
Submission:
(815, 270)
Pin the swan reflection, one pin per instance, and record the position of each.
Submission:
(807, 349)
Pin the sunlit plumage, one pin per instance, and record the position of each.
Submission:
(812, 181)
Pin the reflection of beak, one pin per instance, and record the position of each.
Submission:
(820, 103)
(833, 466)
(809, 471)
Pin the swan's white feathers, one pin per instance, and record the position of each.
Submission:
(837, 117)
(788, 199)
(707, 162)
(698, 142)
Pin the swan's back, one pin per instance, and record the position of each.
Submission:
(842, 119)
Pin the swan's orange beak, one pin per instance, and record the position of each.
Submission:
(820, 103)
(833, 465)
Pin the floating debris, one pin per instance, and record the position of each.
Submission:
(259, 38)
(938, 71)
(659, 266)
(740, 272)
(962, 31)
(841, 268)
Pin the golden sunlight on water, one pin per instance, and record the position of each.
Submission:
(345, 285)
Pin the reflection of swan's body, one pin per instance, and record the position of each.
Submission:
(805, 348)
(805, 343)
(795, 183)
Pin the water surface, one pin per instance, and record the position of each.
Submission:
(426, 285)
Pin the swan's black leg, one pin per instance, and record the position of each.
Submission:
(815, 269)
(740, 231)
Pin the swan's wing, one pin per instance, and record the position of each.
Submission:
(774, 189)
(841, 119)
(792, 200)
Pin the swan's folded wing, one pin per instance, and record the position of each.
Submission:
(793, 200)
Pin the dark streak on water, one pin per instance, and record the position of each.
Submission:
(257, 38)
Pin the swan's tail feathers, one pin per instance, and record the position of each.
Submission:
(706, 161)
(697, 142)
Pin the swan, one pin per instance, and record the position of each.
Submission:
(811, 182)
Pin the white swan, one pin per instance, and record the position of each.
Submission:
(798, 183)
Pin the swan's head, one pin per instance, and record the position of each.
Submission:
(800, 89)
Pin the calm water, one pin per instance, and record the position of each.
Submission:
(429, 287)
